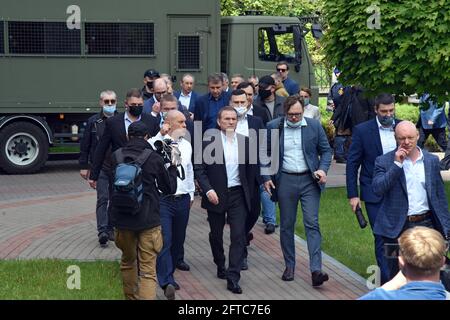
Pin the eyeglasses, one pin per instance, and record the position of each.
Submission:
(292, 115)
(281, 70)
(160, 93)
(109, 101)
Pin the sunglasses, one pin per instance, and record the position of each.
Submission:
(109, 101)
(281, 70)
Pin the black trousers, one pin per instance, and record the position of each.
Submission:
(235, 215)
(255, 211)
(438, 135)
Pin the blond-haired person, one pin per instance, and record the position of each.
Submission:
(422, 253)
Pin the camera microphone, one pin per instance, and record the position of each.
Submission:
(360, 217)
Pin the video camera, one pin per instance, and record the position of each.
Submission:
(170, 153)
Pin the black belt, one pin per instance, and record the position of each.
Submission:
(234, 188)
(297, 173)
(175, 196)
(419, 217)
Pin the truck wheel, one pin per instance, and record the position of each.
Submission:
(23, 148)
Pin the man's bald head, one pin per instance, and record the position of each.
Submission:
(159, 85)
(177, 122)
(406, 135)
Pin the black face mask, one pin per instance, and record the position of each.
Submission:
(264, 94)
(135, 111)
(149, 85)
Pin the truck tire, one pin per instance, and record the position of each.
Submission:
(23, 148)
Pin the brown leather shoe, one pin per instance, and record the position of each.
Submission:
(318, 277)
(288, 274)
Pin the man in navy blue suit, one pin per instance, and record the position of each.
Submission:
(410, 182)
(187, 96)
(371, 139)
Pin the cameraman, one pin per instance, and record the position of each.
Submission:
(139, 236)
(421, 256)
(174, 208)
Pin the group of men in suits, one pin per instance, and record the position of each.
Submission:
(400, 183)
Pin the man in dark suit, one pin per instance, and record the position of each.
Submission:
(116, 129)
(208, 105)
(410, 182)
(304, 159)
(268, 100)
(371, 139)
(224, 175)
(254, 110)
(249, 126)
(187, 96)
(152, 106)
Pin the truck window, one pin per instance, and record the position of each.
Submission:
(120, 39)
(276, 45)
(188, 53)
(2, 46)
(43, 38)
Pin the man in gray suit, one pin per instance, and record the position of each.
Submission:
(305, 157)
(412, 188)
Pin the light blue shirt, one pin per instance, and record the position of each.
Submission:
(415, 185)
(387, 137)
(293, 158)
(128, 121)
(415, 290)
(231, 155)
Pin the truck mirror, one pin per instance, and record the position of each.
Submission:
(316, 30)
(279, 28)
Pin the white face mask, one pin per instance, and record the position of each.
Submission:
(241, 110)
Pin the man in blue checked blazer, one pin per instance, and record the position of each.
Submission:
(412, 188)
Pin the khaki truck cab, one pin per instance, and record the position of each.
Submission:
(57, 56)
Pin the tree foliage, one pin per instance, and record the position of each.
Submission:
(409, 52)
(269, 7)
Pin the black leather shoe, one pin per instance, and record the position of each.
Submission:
(234, 287)
(318, 277)
(169, 292)
(221, 273)
(176, 285)
(288, 274)
(244, 265)
(183, 266)
(269, 229)
(103, 239)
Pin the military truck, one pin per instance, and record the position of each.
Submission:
(57, 56)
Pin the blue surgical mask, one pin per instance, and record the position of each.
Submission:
(386, 121)
(109, 109)
(164, 114)
(306, 100)
(293, 125)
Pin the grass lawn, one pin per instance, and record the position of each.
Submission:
(342, 238)
(47, 279)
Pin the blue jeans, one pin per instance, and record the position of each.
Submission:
(293, 188)
(103, 186)
(340, 150)
(372, 211)
(268, 207)
(174, 212)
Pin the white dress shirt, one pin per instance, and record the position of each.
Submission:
(250, 110)
(185, 100)
(387, 137)
(187, 185)
(415, 185)
(242, 126)
(231, 155)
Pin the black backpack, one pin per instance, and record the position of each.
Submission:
(127, 189)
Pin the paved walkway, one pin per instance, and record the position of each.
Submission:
(51, 215)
